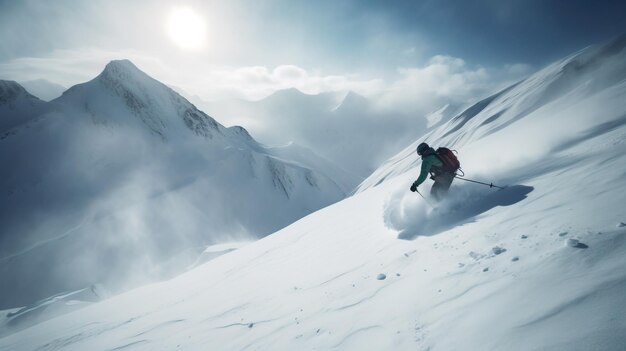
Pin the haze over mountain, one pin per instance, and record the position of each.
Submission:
(17, 106)
(43, 89)
(237, 175)
(121, 181)
(537, 265)
(346, 128)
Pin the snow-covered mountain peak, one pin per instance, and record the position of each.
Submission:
(122, 68)
(287, 93)
(124, 159)
(352, 96)
(292, 97)
(537, 265)
(123, 93)
(17, 106)
(351, 101)
(239, 136)
(241, 131)
(11, 90)
(124, 73)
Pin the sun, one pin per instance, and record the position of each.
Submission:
(186, 28)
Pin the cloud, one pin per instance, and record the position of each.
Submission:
(70, 67)
(443, 76)
(289, 72)
(259, 81)
(518, 69)
(443, 79)
(446, 80)
(415, 89)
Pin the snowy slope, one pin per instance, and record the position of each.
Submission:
(548, 98)
(17, 107)
(65, 302)
(309, 159)
(268, 120)
(442, 115)
(486, 270)
(124, 170)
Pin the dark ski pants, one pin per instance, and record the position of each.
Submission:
(441, 186)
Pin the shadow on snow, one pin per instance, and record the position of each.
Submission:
(412, 217)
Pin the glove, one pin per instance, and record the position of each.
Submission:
(414, 187)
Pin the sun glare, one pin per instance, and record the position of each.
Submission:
(187, 29)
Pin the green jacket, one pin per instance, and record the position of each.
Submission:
(427, 162)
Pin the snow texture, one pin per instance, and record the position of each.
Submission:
(17, 107)
(557, 139)
(123, 170)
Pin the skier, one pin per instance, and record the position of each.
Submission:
(441, 167)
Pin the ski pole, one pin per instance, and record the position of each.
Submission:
(477, 182)
(428, 203)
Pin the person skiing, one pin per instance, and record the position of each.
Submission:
(441, 172)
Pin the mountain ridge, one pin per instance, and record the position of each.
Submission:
(537, 265)
(43, 89)
(154, 103)
(124, 166)
(603, 68)
(18, 106)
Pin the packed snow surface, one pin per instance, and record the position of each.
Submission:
(485, 269)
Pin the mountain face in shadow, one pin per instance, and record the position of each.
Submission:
(121, 181)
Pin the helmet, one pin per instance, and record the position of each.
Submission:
(421, 148)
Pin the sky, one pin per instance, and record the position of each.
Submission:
(249, 49)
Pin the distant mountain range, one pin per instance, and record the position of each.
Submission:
(349, 129)
(43, 89)
(537, 265)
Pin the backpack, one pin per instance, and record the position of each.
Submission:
(450, 162)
